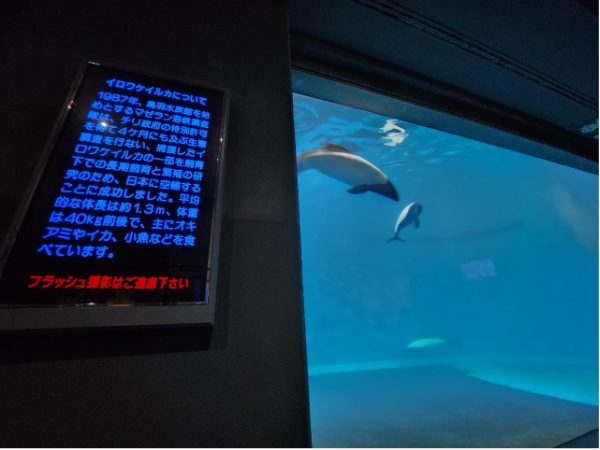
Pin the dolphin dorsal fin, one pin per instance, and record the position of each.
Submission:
(331, 147)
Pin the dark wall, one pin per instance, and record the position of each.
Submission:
(244, 383)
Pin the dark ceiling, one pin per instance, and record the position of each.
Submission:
(538, 58)
(525, 61)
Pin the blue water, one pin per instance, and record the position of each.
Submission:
(502, 273)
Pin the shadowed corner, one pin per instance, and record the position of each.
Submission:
(425, 406)
(60, 345)
(587, 440)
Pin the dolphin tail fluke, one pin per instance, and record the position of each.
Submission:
(395, 238)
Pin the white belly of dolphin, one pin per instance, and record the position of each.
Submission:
(345, 167)
(402, 217)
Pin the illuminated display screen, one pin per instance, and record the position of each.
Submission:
(123, 210)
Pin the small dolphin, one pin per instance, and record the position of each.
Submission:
(394, 138)
(392, 125)
(410, 214)
(394, 133)
(339, 163)
(428, 347)
(426, 343)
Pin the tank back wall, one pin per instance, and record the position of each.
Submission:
(246, 385)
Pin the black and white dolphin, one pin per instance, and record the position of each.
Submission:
(339, 163)
(410, 214)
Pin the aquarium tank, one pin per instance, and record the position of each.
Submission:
(450, 285)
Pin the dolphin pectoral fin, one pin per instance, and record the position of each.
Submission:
(417, 223)
(387, 190)
(359, 189)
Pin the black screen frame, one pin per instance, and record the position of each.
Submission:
(52, 316)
